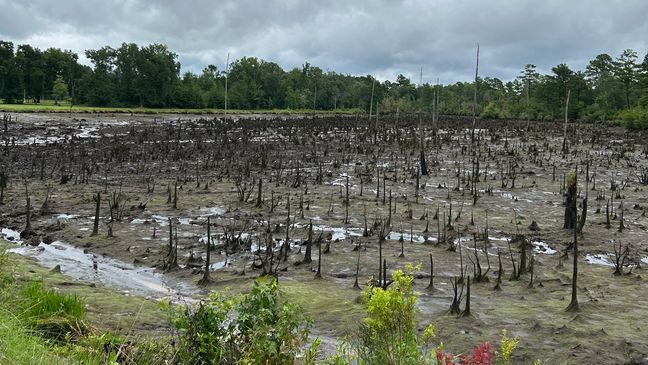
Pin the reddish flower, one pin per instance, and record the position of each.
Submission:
(483, 354)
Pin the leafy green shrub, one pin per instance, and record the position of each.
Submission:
(388, 335)
(204, 330)
(507, 346)
(597, 113)
(270, 330)
(635, 118)
(491, 111)
(256, 328)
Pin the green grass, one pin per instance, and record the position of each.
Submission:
(105, 309)
(19, 346)
(332, 308)
(41, 302)
(48, 106)
(47, 319)
(50, 314)
(19, 342)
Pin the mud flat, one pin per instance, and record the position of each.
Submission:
(263, 181)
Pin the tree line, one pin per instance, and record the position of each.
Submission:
(610, 88)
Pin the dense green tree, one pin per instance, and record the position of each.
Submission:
(57, 62)
(600, 71)
(581, 95)
(59, 89)
(30, 62)
(245, 91)
(127, 61)
(643, 82)
(560, 78)
(400, 96)
(606, 89)
(269, 80)
(626, 71)
(528, 79)
(186, 93)
(10, 75)
(98, 87)
(158, 71)
(212, 87)
(291, 83)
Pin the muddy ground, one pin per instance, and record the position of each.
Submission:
(307, 161)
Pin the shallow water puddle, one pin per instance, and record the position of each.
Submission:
(339, 233)
(218, 265)
(84, 132)
(184, 221)
(10, 235)
(96, 269)
(539, 247)
(38, 140)
(543, 247)
(216, 210)
(396, 236)
(67, 216)
(598, 260)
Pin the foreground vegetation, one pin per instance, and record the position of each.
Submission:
(130, 76)
(43, 326)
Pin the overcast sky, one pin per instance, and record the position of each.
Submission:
(381, 37)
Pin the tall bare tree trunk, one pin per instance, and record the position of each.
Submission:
(95, 228)
(205, 279)
(472, 138)
(373, 85)
(570, 220)
(583, 216)
(564, 149)
(28, 231)
(573, 305)
(309, 244)
(528, 100)
(226, 77)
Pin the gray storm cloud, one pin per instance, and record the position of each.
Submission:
(382, 38)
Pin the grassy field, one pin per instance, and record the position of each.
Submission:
(35, 301)
(49, 106)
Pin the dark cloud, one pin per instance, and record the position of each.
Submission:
(379, 37)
